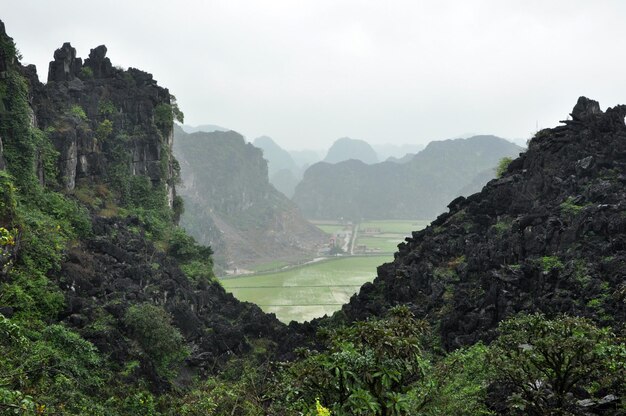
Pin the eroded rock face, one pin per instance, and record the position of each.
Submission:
(6, 59)
(126, 99)
(118, 268)
(98, 62)
(550, 235)
(65, 66)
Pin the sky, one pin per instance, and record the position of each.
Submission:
(308, 72)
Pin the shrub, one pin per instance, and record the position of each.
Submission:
(104, 130)
(78, 112)
(549, 263)
(86, 73)
(544, 364)
(162, 343)
(367, 369)
(503, 165)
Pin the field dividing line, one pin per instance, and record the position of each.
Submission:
(290, 286)
(307, 304)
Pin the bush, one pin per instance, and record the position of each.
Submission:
(86, 73)
(545, 366)
(503, 165)
(162, 343)
(78, 112)
(367, 370)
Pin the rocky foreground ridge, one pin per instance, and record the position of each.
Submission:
(101, 137)
(549, 235)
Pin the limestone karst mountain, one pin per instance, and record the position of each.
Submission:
(347, 148)
(419, 188)
(231, 206)
(549, 235)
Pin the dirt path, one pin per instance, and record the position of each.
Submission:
(355, 232)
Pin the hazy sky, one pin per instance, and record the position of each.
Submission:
(309, 72)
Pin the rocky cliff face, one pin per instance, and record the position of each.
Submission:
(94, 111)
(550, 235)
(117, 268)
(93, 126)
(231, 206)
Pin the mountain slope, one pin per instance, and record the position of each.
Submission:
(548, 236)
(102, 298)
(277, 157)
(232, 206)
(419, 188)
(284, 173)
(347, 148)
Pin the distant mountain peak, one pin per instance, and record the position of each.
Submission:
(347, 148)
(207, 128)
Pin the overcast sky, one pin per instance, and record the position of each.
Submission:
(309, 72)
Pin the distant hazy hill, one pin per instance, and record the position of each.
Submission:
(285, 181)
(207, 128)
(284, 173)
(347, 148)
(230, 204)
(306, 157)
(277, 157)
(396, 151)
(420, 188)
(404, 159)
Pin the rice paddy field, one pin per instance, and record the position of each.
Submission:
(319, 288)
(309, 291)
(383, 236)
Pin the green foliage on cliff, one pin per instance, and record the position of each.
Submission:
(544, 362)
(151, 327)
(503, 165)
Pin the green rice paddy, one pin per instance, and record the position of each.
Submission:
(383, 236)
(308, 291)
(320, 288)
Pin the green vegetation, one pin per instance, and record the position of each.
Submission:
(542, 362)
(367, 369)
(383, 236)
(503, 165)
(78, 112)
(549, 263)
(273, 265)
(332, 228)
(150, 326)
(86, 73)
(503, 226)
(570, 207)
(308, 291)
(403, 227)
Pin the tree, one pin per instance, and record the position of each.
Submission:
(367, 369)
(544, 364)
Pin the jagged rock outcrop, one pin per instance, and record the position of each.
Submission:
(550, 235)
(93, 110)
(101, 125)
(66, 66)
(6, 58)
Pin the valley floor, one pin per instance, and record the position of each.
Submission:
(321, 286)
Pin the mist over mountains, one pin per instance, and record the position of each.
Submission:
(419, 188)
